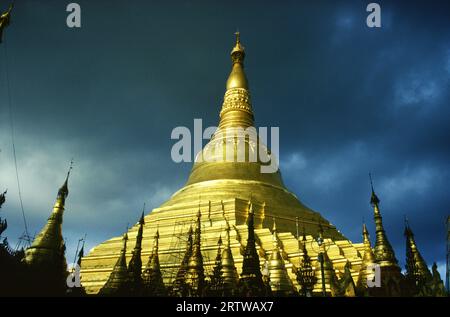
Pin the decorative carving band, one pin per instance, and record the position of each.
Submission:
(237, 99)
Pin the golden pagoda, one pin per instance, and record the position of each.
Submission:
(279, 280)
(418, 278)
(44, 261)
(153, 284)
(392, 281)
(231, 193)
(368, 261)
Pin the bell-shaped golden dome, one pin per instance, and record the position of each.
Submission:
(217, 178)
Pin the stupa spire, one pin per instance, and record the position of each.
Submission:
(215, 287)
(119, 279)
(195, 274)
(229, 272)
(48, 248)
(251, 283)
(417, 272)
(384, 253)
(135, 265)
(237, 109)
(279, 279)
(330, 278)
(368, 260)
(305, 274)
(251, 265)
(152, 280)
(179, 287)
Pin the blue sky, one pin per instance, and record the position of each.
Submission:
(348, 100)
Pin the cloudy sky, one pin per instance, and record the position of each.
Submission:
(348, 100)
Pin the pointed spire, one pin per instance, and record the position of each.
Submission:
(373, 198)
(48, 249)
(250, 265)
(438, 288)
(77, 290)
(5, 19)
(64, 190)
(328, 279)
(330, 275)
(179, 286)
(365, 234)
(135, 265)
(80, 254)
(195, 274)
(368, 260)
(347, 286)
(237, 77)
(119, 279)
(384, 253)
(280, 282)
(152, 280)
(215, 287)
(229, 272)
(305, 274)
(251, 283)
(236, 109)
(368, 257)
(417, 272)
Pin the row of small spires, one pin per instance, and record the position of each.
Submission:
(190, 279)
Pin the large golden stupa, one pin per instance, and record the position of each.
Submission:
(223, 191)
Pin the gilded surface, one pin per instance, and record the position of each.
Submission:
(226, 190)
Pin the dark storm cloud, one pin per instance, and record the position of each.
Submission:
(348, 100)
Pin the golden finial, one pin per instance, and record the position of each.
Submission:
(238, 54)
(64, 190)
(70, 169)
(365, 234)
(141, 221)
(374, 200)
